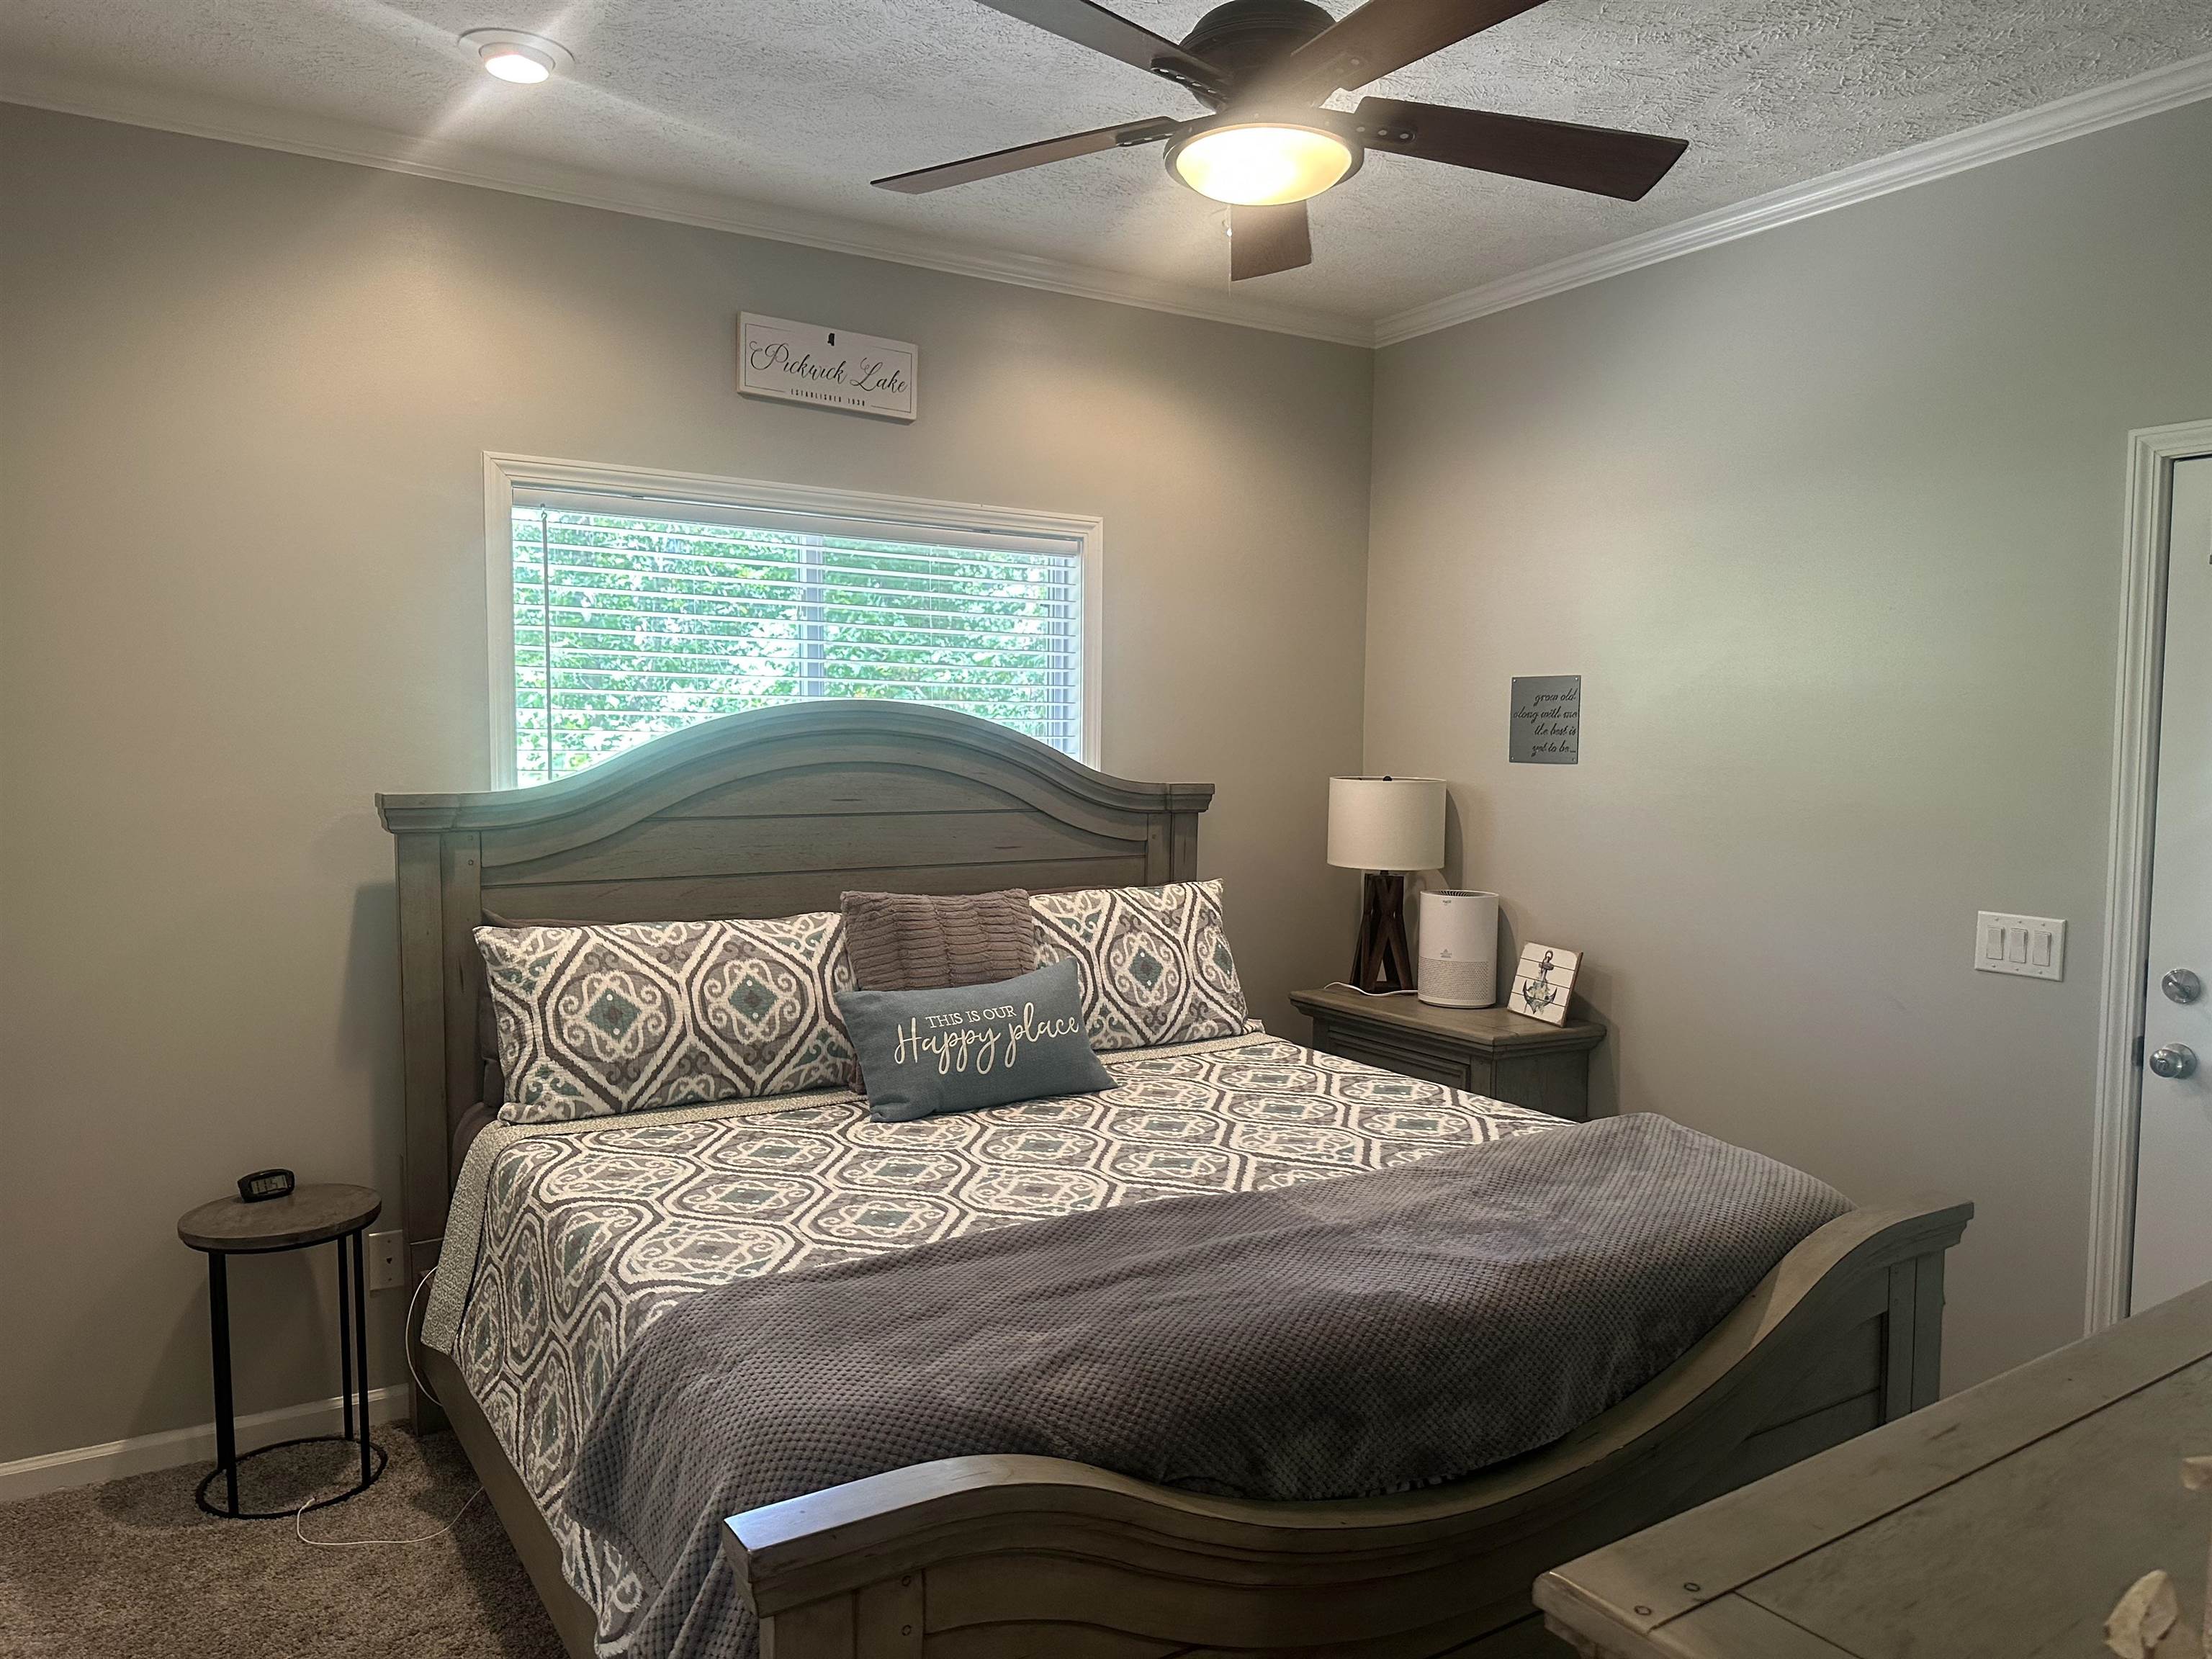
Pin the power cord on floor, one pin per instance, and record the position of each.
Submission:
(364, 1543)
(308, 1502)
(407, 1340)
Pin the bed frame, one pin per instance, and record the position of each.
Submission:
(993, 1557)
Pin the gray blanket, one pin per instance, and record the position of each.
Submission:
(1349, 1337)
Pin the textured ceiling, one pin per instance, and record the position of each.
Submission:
(798, 103)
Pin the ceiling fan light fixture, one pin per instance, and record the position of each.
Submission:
(1262, 163)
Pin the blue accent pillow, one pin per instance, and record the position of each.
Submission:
(967, 1047)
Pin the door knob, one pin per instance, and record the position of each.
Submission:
(2181, 985)
(2175, 1060)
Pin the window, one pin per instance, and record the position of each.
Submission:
(627, 603)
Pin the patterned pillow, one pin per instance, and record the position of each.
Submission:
(631, 1016)
(1155, 965)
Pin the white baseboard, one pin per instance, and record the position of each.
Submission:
(88, 1466)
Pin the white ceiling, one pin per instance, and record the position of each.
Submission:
(797, 104)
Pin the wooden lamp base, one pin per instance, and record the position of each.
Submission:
(1382, 961)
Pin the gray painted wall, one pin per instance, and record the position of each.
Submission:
(247, 396)
(1829, 520)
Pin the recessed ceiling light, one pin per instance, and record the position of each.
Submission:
(519, 64)
(512, 55)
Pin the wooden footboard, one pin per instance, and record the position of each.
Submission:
(993, 1558)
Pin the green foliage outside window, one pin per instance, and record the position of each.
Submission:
(656, 623)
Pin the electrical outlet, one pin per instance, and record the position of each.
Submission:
(386, 1251)
(2032, 946)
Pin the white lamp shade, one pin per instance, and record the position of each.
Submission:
(1386, 823)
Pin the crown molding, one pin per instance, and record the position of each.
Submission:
(302, 134)
(2150, 93)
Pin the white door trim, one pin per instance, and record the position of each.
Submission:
(2152, 453)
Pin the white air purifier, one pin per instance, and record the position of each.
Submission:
(1459, 948)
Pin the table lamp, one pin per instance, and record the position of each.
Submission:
(1385, 826)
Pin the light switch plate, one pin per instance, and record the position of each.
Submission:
(385, 1253)
(2033, 947)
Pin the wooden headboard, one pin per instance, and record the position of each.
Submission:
(762, 814)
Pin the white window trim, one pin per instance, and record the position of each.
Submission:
(505, 474)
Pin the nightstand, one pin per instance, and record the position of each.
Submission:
(1485, 1051)
(300, 1219)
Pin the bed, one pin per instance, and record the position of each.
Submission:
(776, 813)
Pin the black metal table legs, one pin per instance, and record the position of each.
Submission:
(225, 1431)
(353, 1345)
(360, 1350)
(353, 1387)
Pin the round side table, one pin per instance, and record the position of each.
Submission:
(305, 1216)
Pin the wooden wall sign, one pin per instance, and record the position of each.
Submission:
(1546, 725)
(830, 368)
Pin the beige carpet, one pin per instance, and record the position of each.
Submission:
(133, 1570)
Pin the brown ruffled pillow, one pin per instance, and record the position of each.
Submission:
(916, 942)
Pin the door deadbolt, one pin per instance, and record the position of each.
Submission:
(2175, 1060)
(2181, 985)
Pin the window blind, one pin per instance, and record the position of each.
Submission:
(634, 618)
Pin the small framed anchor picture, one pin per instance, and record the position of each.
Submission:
(1542, 982)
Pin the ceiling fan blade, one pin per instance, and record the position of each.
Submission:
(1093, 25)
(1601, 159)
(922, 180)
(1382, 36)
(1265, 239)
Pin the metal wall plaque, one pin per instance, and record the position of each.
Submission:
(833, 368)
(1546, 727)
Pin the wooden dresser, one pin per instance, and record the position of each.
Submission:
(2000, 1523)
(1485, 1051)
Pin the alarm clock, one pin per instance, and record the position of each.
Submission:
(264, 1184)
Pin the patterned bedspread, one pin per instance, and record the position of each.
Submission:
(568, 1240)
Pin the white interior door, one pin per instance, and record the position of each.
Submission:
(2174, 1153)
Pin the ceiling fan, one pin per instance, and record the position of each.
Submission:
(1270, 144)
